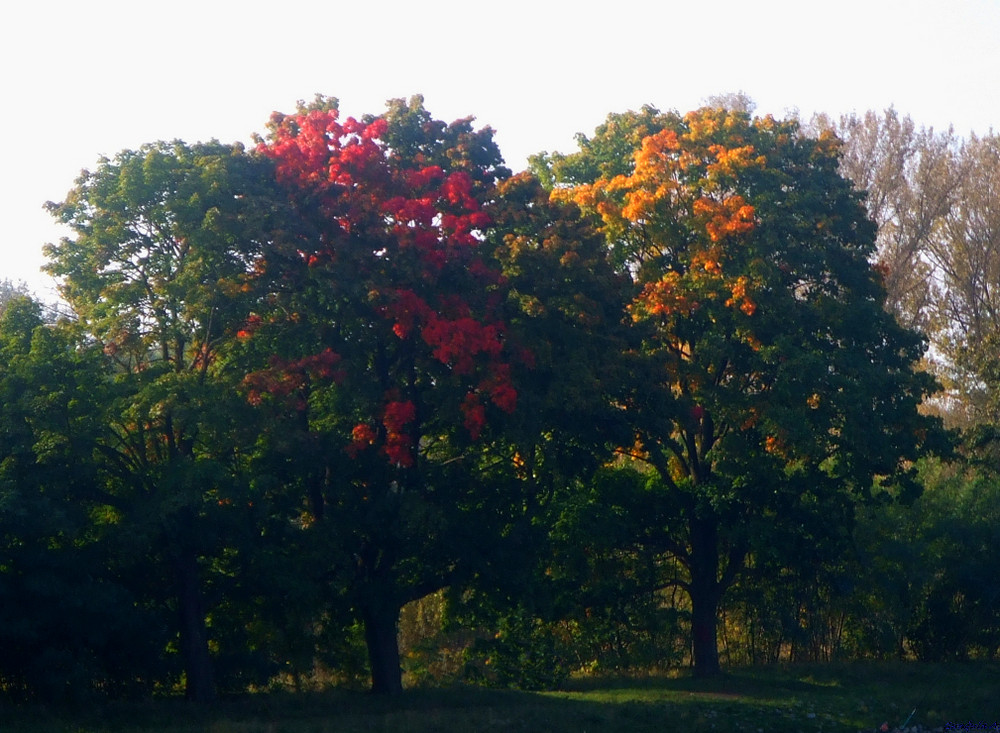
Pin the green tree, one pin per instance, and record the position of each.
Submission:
(955, 533)
(564, 306)
(773, 378)
(609, 558)
(155, 272)
(69, 627)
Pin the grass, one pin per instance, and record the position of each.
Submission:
(838, 697)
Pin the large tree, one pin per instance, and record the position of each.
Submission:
(155, 271)
(385, 327)
(773, 379)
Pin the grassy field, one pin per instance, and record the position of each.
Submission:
(843, 697)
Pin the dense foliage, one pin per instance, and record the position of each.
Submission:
(360, 403)
(776, 386)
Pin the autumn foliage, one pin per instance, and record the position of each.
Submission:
(395, 237)
(384, 324)
(681, 189)
(362, 363)
(751, 259)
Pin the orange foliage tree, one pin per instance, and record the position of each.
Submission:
(775, 388)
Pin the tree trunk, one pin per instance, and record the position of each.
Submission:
(704, 629)
(381, 635)
(705, 596)
(200, 677)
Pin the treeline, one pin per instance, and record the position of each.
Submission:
(660, 401)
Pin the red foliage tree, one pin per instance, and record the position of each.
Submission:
(387, 341)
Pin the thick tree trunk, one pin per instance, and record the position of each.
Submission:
(705, 596)
(381, 635)
(704, 629)
(200, 676)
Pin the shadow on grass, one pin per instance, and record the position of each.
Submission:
(841, 697)
(739, 683)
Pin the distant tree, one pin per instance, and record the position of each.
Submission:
(910, 182)
(958, 535)
(738, 101)
(9, 290)
(931, 195)
(774, 380)
(967, 263)
(924, 572)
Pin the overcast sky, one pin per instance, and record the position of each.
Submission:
(83, 79)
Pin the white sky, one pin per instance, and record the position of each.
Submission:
(80, 79)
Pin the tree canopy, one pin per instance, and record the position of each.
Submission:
(590, 412)
(774, 378)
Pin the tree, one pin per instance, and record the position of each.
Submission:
(910, 183)
(931, 195)
(738, 101)
(384, 326)
(9, 291)
(155, 271)
(773, 379)
(967, 263)
(956, 528)
(564, 306)
(69, 627)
